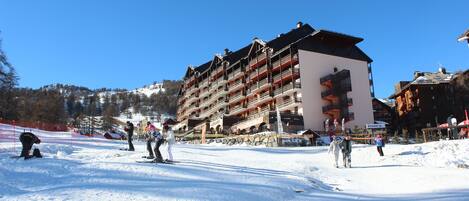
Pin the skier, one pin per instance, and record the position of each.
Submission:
(27, 140)
(346, 147)
(130, 132)
(151, 133)
(334, 147)
(169, 134)
(379, 144)
(159, 140)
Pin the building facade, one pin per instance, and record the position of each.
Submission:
(307, 75)
(429, 99)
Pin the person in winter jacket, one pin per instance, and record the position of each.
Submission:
(27, 140)
(130, 132)
(159, 140)
(346, 147)
(334, 147)
(169, 138)
(379, 144)
(151, 133)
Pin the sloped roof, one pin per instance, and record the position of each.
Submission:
(290, 37)
(464, 36)
(277, 43)
(333, 43)
(347, 42)
(427, 78)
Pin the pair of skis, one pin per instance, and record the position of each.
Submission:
(154, 161)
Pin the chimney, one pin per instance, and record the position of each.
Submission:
(227, 51)
(299, 24)
(418, 74)
(442, 70)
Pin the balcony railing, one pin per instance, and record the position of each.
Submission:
(284, 60)
(237, 109)
(286, 88)
(237, 97)
(285, 103)
(265, 96)
(265, 110)
(257, 60)
(253, 101)
(236, 85)
(258, 85)
(262, 69)
(327, 93)
(236, 73)
(203, 84)
(330, 107)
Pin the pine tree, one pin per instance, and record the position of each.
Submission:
(8, 81)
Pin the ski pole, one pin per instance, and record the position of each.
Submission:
(14, 137)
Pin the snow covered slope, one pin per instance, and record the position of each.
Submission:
(82, 168)
(150, 89)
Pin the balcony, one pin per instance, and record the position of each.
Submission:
(331, 108)
(253, 101)
(238, 72)
(265, 110)
(328, 94)
(237, 97)
(203, 83)
(335, 90)
(193, 97)
(326, 79)
(285, 61)
(236, 85)
(286, 88)
(237, 109)
(262, 69)
(265, 96)
(349, 101)
(259, 85)
(204, 92)
(205, 101)
(217, 71)
(259, 73)
(259, 60)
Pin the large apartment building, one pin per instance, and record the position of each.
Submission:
(308, 75)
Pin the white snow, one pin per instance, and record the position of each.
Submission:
(150, 89)
(83, 168)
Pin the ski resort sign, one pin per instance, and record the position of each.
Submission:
(375, 126)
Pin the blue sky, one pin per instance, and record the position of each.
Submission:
(127, 44)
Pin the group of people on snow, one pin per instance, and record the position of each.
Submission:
(155, 136)
(344, 145)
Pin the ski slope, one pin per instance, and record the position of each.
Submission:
(83, 168)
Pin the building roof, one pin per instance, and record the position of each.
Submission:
(276, 44)
(292, 36)
(333, 43)
(464, 36)
(346, 44)
(427, 78)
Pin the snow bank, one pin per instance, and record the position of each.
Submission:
(443, 154)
